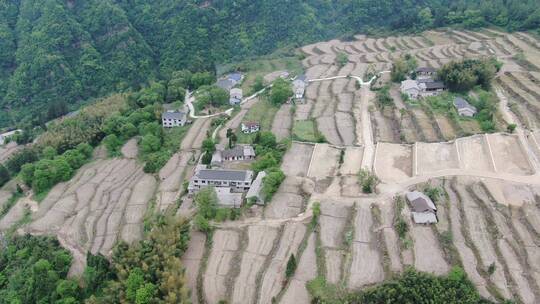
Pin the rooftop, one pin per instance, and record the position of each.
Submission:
(229, 175)
(461, 103)
(434, 85)
(426, 70)
(250, 124)
(225, 84)
(301, 77)
(173, 115)
(409, 84)
(235, 76)
(420, 202)
(238, 151)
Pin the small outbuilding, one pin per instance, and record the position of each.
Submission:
(237, 153)
(422, 208)
(236, 96)
(250, 127)
(464, 108)
(254, 192)
(425, 72)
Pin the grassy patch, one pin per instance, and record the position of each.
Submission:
(10, 203)
(38, 197)
(261, 67)
(304, 130)
(262, 112)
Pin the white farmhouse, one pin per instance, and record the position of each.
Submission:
(250, 127)
(299, 87)
(170, 119)
(236, 96)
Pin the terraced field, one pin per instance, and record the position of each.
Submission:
(489, 214)
(332, 103)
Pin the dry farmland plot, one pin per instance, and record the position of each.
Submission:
(393, 162)
(428, 254)
(260, 243)
(196, 134)
(432, 157)
(297, 292)
(192, 261)
(352, 161)
(506, 245)
(424, 125)
(130, 149)
(324, 161)
(474, 153)
(367, 263)
(467, 255)
(171, 177)
(390, 236)
(216, 281)
(288, 201)
(274, 275)
(481, 238)
(281, 127)
(7, 150)
(105, 202)
(508, 154)
(296, 161)
(333, 221)
(384, 127)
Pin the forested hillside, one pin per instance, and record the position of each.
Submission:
(55, 54)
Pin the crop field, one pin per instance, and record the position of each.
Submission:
(488, 213)
(332, 103)
(7, 150)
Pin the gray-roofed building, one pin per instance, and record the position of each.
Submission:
(422, 208)
(236, 96)
(299, 87)
(237, 153)
(421, 88)
(464, 108)
(255, 190)
(237, 180)
(410, 88)
(170, 119)
(236, 77)
(225, 84)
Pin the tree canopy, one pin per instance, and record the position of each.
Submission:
(56, 54)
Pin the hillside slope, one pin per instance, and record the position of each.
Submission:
(57, 53)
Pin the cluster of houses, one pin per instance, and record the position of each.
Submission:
(425, 85)
(231, 186)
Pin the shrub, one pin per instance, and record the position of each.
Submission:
(368, 181)
(291, 267)
(280, 92)
(271, 183)
(511, 128)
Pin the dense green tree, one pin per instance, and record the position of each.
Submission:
(280, 92)
(462, 76)
(4, 175)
